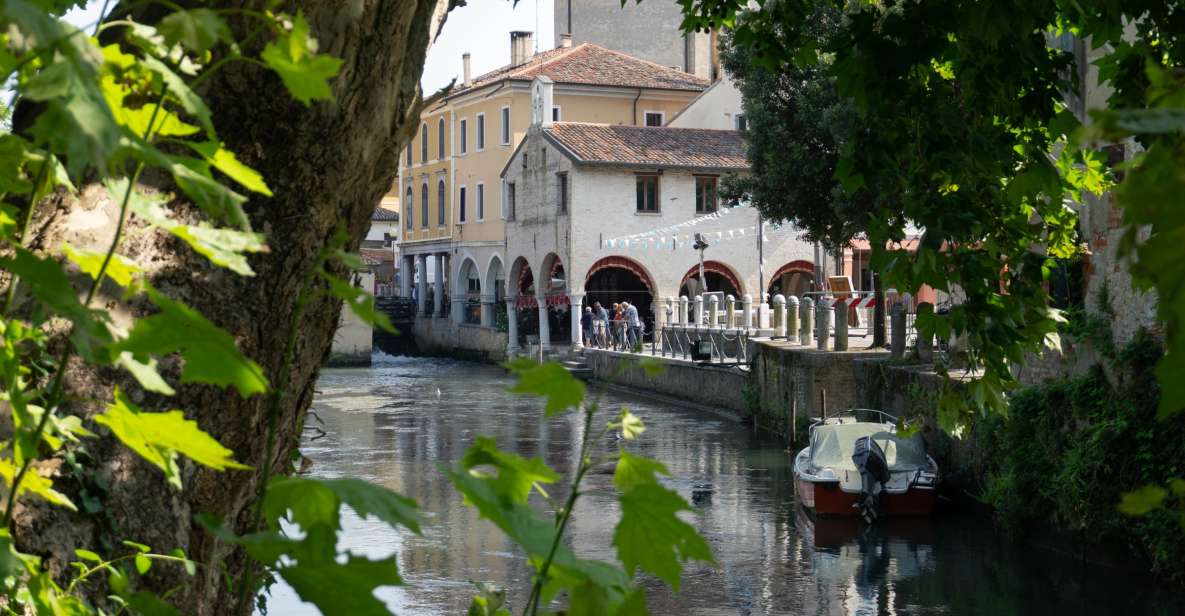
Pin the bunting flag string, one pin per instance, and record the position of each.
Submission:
(770, 232)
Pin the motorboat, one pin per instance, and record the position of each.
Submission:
(857, 465)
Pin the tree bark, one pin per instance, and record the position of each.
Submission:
(328, 165)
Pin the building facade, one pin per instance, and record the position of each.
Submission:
(606, 213)
(453, 208)
(646, 30)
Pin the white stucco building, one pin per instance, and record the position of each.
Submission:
(580, 196)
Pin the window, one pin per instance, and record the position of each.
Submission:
(424, 143)
(440, 139)
(647, 188)
(461, 205)
(440, 202)
(424, 206)
(506, 126)
(742, 122)
(410, 208)
(481, 132)
(464, 135)
(407, 160)
(561, 180)
(705, 194)
(654, 118)
(510, 201)
(481, 202)
(555, 114)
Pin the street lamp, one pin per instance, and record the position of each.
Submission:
(701, 245)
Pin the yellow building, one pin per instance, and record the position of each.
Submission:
(451, 197)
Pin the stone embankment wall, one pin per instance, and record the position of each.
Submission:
(442, 337)
(353, 340)
(719, 387)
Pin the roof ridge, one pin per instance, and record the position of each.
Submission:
(564, 52)
(645, 61)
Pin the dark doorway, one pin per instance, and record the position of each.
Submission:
(611, 285)
(717, 283)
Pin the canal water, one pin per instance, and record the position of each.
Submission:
(396, 422)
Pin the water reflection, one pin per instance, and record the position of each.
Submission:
(394, 424)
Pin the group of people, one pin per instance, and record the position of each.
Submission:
(618, 327)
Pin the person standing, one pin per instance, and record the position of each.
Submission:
(586, 323)
(601, 325)
(635, 325)
(618, 327)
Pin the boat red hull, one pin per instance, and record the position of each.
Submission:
(826, 499)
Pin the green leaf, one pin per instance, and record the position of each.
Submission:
(1142, 501)
(215, 199)
(190, 566)
(305, 73)
(139, 547)
(550, 380)
(34, 483)
(345, 589)
(198, 30)
(47, 282)
(120, 269)
(224, 160)
(359, 300)
(145, 603)
(145, 373)
(223, 247)
(516, 475)
(211, 355)
(177, 86)
(143, 563)
(160, 437)
(650, 534)
(317, 501)
(88, 555)
(635, 471)
(631, 425)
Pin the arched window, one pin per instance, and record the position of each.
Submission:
(440, 203)
(440, 139)
(424, 143)
(410, 207)
(424, 206)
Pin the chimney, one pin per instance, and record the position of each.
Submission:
(465, 69)
(521, 47)
(566, 39)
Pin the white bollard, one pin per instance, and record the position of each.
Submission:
(841, 325)
(747, 312)
(792, 319)
(823, 336)
(806, 314)
(730, 311)
(712, 310)
(779, 315)
(682, 310)
(699, 310)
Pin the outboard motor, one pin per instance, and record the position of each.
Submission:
(874, 474)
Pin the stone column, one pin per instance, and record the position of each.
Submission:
(712, 310)
(841, 325)
(669, 309)
(763, 316)
(438, 285)
(925, 342)
(512, 347)
(407, 271)
(823, 316)
(806, 314)
(897, 331)
(698, 315)
(779, 315)
(487, 309)
(422, 285)
(792, 319)
(576, 301)
(747, 312)
(681, 318)
(544, 326)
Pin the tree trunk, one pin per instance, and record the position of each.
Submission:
(328, 165)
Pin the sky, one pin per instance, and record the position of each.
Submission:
(482, 28)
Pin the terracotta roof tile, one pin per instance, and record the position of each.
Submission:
(695, 148)
(385, 215)
(590, 64)
(376, 256)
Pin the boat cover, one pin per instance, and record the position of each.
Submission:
(832, 446)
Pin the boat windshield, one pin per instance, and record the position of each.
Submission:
(832, 447)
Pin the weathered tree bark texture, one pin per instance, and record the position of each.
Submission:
(328, 165)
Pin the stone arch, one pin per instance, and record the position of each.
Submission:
(718, 270)
(793, 278)
(613, 279)
(465, 272)
(550, 269)
(521, 281)
(493, 272)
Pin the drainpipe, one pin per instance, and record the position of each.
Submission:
(636, 106)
